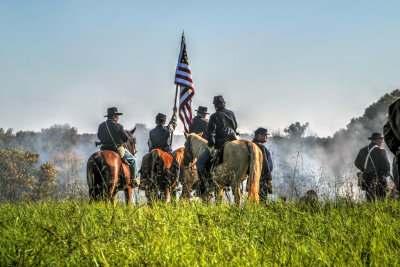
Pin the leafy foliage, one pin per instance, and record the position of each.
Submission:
(372, 120)
(45, 186)
(296, 130)
(21, 180)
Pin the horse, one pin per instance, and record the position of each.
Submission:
(159, 173)
(239, 158)
(188, 173)
(107, 173)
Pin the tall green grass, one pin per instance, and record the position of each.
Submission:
(78, 233)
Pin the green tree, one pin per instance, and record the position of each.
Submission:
(16, 175)
(45, 185)
(296, 130)
(59, 138)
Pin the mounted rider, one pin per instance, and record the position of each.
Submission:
(112, 136)
(221, 129)
(160, 136)
(200, 122)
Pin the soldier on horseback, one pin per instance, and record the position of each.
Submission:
(221, 129)
(112, 136)
(260, 137)
(160, 136)
(199, 123)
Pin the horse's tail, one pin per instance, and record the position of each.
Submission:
(154, 157)
(255, 167)
(94, 174)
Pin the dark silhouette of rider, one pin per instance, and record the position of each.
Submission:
(160, 136)
(112, 137)
(200, 122)
(221, 129)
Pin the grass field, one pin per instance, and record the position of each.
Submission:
(78, 233)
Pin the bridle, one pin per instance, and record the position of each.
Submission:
(132, 140)
(187, 154)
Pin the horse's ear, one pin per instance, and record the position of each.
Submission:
(186, 134)
(200, 134)
(132, 131)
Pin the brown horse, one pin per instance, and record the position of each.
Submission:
(240, 157)
(159, 173)
(187, 175)
(107, 174)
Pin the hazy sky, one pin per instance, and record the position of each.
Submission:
(275, 62)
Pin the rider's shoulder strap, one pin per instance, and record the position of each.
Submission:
(108, 129)
(368, 156)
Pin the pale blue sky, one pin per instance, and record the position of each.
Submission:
(275, 62)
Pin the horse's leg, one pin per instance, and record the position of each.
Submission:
(111, 192)
(236, 192)
(128, 195)
(166, 194)
(173, 195)
(185, 191)
(219, 192)
(148, 195)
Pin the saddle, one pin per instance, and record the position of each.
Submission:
(216, 159)
(112, 148)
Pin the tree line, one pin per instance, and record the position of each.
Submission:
(51, 163)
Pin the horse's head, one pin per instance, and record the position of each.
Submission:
(194, 146)
(131, 143)
(178, 154)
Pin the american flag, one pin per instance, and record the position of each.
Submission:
(183, 78)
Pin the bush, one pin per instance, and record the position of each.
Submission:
(20, 179)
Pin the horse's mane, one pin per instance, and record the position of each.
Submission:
(198, 136)
(199, 143)
(131, 143)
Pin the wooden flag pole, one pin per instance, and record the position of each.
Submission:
(176, 96)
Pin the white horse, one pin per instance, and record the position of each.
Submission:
(240, 157)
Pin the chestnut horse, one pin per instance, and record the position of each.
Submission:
(107, 174)
(159, 173)
(187, 174)
(240, 157)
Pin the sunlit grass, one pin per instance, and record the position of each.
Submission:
(78, 233)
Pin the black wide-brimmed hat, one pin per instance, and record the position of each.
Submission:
(112, 111)
(202, 109)
(375, 136)
(218, 100)
(161, 117)
(261, 131)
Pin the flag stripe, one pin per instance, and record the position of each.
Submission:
(183, 65)
(182, 73)
(184, 83)
(183, 78)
